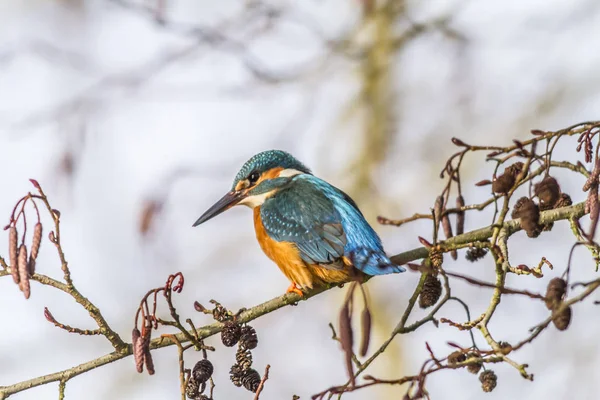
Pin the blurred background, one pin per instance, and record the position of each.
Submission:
(120, 107)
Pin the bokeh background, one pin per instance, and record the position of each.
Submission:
(115, 105)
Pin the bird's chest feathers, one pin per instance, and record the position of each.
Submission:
(283, 253)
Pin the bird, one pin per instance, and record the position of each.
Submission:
(313, 231)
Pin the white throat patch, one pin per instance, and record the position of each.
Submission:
(255, 201)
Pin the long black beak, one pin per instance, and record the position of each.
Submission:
(225, 203)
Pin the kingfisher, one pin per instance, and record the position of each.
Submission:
(313, 231)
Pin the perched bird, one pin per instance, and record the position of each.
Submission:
(313, 231)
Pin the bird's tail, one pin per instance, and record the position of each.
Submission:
(374, 262)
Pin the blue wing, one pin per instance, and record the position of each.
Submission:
(326, 225)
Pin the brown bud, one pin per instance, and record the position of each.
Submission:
(199, 307)
(537, 132)
(562, 320)
(456, 357)
(484, 182)
(425, 242)
(555, 292)
(459, 142)
(35, 184)
(488, 380)
(13, 253)
(431, 292)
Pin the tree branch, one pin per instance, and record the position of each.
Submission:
(565, 213)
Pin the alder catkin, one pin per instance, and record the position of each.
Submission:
(36, 241)
(12, 253)
(138, 350)
(23, 271)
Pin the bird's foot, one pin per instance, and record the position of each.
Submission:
(294, 289)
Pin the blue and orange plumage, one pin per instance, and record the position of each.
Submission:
(313, 231)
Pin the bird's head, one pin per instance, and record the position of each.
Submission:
(260, 177)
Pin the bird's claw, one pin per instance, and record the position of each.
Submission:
(294, 289)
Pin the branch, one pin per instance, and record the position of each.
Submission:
(575, 211)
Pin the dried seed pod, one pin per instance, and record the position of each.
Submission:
(36, 241)
(548, 192)
(475, 254)
(235, 374)
(249, 339)
(13, 253)
(503, 183)
(22, 270)
(515, 169)
(243, 358)
(365, 322)
(555, 292)
(562, 320)
(456, 357)
(138, 350)
(251, 380)
(202, 371)
(432, 290)
(192, 389)
(529, 213)
(563, 201)
(475, 366)
(231, 333)
(488, 380)
(220, 313)
(460, 216)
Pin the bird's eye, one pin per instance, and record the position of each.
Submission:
(253, 177)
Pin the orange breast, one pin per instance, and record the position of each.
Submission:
(287, 257)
